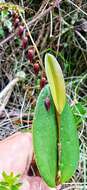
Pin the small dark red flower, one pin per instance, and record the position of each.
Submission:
(20, 30)
(42, 82)
(36, 68)
(47, 103)
(24, 42)
(31, 54)
(16, 22)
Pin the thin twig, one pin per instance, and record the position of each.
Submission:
(78, 8)
(8, 87)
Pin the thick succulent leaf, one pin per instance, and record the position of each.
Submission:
(56, 81)
(45, 138)
(69, 144)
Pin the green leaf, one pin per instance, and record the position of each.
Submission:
(45, 138)
(56, 81)
(16, 187)
(3, 187)
(10, 182)
(69, 144)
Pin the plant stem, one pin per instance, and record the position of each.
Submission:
(58, 117)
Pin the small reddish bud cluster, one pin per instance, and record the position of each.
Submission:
(24, 36)
(24, 39)
(36, 68)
